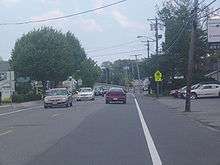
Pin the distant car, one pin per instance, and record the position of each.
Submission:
(115, 95)
(174, 92)
(98, 92)
(104, 91)
(85, 94)
(58, 97)
(206, 90)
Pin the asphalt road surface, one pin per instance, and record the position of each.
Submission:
(141, 132)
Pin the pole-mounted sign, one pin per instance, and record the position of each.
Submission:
(214, 34)
(158, 78)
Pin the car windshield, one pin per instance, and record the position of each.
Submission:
(85, 90)
(116, 90)
(57, 92)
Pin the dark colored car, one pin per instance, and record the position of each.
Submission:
(115, 95)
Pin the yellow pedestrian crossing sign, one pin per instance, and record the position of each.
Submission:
(158, 76)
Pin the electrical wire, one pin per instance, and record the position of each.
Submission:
(209, 13)
(62, 17)
(110, 47)
(184, 26)
(118, 53)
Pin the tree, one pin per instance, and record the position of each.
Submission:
(121, 72)
(47, 54)
(89, 72)
(176, 17)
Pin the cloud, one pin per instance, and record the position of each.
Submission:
(8, 3)
(125, 22)
(48, 15)
(59, 24)
(50, 1)
(98, 3)
(90, 25)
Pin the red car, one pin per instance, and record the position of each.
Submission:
(115, 95)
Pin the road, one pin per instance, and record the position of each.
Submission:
(141, 132)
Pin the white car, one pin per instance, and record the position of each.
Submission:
(85, 94)
(206, 90)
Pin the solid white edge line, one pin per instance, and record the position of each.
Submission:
(150, 143)
(21, 110)
(7, 132)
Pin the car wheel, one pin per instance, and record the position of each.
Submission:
(45, 106)
(193, 96)
(124, 102)
(106, 102)
(93, 99)
(71, 104)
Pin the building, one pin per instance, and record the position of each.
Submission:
(215, 74)
(7, 83)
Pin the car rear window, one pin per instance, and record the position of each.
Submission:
(116, 90)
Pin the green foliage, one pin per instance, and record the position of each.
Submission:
(121, 72)
(20, 98)
(173, 63)
(89, 72)
(46, 54)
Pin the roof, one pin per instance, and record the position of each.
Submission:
(212, 73)
(4, 66)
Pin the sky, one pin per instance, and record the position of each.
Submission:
(97, 31)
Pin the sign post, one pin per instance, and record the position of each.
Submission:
(158, 78)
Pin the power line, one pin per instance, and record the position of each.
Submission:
(179, 33)
(62, 17)
(110, 47)
(118, 53)
(207, 5)
(209, 13)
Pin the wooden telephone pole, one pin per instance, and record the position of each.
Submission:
(191, 57)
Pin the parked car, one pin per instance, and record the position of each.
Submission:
(182, 93)
(98, 91)
(104, 91)
(174, 92)
(115, 95)
(206, 90)
(85, 94)
(58, 97)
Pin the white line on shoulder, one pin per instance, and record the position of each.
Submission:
(150, 143)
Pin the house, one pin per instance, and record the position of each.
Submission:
(7, 83)
(215, 75)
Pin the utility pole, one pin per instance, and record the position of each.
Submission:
(138, 71)
(191, 58)
(156, 34)
(148, 49)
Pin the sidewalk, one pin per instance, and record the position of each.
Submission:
(206, 111)
(20, 105)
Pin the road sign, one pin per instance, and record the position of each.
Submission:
(213, 30)
(158, 76)
(214, 34)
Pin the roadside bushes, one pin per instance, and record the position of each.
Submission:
(19, 98)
